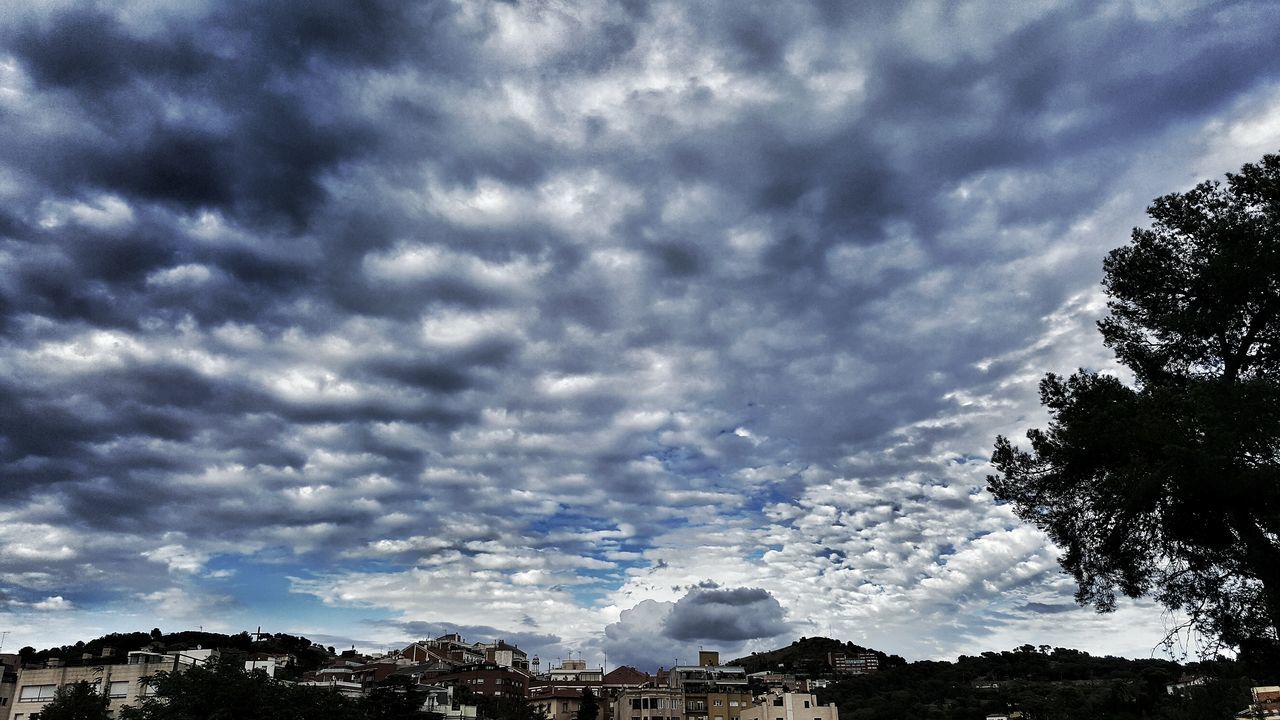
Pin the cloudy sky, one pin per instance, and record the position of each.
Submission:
(606, 328)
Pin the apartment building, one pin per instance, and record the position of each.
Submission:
(711, 691)
(124, 683)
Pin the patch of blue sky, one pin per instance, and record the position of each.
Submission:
(261, 594)
(685, 461)
(944, 550)
(784, 491)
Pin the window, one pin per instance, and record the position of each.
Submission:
(36, 693)
(659, 704)
(778, 701)
(806, 703)
(118, 689)
(718, 703)
(733, 703)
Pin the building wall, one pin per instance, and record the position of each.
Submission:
(563, 703)
(790, 706)
(492, 680)
(727, 706)
(124, 682)
(649, 704)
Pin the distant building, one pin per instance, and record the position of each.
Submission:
(1184, 682)
(616, 681)
(441, 700)
(500, 653)
(711, 691)
(269, 663)
(853, 664)
(485, 679)
(8, 681)
(562, 703)
(1266, 703)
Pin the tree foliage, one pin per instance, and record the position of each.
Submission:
(1044, 684)
(589, 708)
(223, 691)
(1168, 484)
(76, 701)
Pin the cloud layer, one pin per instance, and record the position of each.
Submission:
(537, 317)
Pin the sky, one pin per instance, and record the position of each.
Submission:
(613, 329)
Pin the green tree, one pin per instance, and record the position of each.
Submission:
(589, 708)
(396, 698)
(223, 691)
(1169, 484)
(76, 701)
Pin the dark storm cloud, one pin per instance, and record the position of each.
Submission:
(730, 615)
(253, 136)
(408, 282)
(656, 633)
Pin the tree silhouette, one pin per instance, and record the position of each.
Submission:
(1170, 484)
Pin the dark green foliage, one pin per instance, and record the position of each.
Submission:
(1171, 485)
(397, 698)
(222, 690)
(1044, 684)
(76, 701)
(309, 656)
(589, 708)
(807, 657)
(497, 708)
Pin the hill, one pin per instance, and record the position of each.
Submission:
(116, 646)
(808, 657)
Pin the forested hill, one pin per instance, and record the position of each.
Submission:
(1048, 684)
(807, 657)
(117, 645)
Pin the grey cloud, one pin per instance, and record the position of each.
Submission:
(730, 615)
(697, 259)
(653, 634)
(1049, 609)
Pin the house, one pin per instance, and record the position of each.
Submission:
(440, 700)
(559, 703)
(649, 703)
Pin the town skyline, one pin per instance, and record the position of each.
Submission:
(596, 327)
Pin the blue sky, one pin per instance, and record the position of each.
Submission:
(614, 328)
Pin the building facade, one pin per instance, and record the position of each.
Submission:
(649, 703)
(124, 683)
(789, 706)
